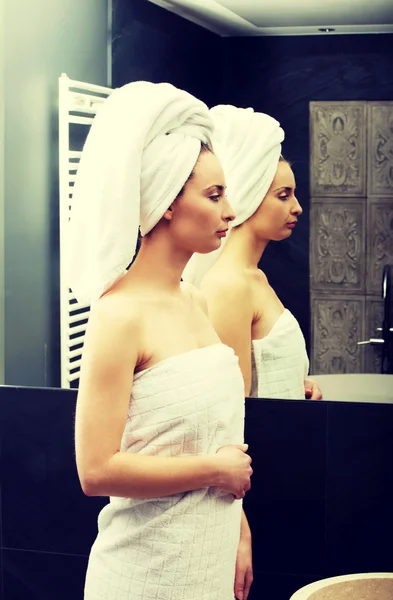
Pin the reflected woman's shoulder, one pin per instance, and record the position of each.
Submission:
(195, 294)
(235, 286)
(257, 275)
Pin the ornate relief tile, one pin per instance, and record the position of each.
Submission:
(380, 149)
(379, 241)
(337, 138)
(337, 248)
(374, 318)
(337, 327)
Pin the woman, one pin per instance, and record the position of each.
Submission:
(159, 420)
(244, 309)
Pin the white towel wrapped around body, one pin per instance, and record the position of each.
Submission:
(248, 145)
(142, 147)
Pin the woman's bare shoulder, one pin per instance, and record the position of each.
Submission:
(257, 275)
(231, 284)
(114, 340)
(115, 319)
(118, 306)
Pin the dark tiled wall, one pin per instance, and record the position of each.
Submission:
(280, 76)
(153, 44)
(47, 524)
(322, 494)
(320, 505)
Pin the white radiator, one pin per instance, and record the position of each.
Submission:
(78, 105)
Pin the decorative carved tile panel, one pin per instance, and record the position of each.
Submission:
(380, 149)
(351, 235)
(337, 137)
(337, 324)
(337, 250)
(379, 241)
(374, 318)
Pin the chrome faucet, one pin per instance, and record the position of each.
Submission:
(386, 341)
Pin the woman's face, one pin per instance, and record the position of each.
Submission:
(201, 213)
(276, 217)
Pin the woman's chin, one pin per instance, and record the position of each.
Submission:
(286, 234)
(205, 249)
(213, 244)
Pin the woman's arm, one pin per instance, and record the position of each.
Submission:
(231, 313)
(243, 573)
(245, 531)
(110, 355)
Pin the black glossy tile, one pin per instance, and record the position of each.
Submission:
(42, 576)
(360, 488)
(278, 586)
(43, 506)
(286, 504)
(154, 44)
(1, 572)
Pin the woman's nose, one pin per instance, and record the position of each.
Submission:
(297, 209)
(228, 214)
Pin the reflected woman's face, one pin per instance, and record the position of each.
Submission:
(276, 217)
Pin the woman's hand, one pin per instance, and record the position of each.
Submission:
(235, 470)
(312, 391)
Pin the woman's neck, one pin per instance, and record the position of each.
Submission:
(160, 263)
(243, 247)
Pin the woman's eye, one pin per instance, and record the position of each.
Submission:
(215, 197)
(284, 197)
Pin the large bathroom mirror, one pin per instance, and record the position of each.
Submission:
(326, 76)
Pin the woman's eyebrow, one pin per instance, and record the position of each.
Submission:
(283, 187)
(219, 188)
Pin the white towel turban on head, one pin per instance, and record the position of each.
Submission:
(248, 145)
(141, 149)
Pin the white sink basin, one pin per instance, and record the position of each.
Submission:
(356, 388)
(363, 586)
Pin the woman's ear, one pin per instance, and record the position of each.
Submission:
(168, 214)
